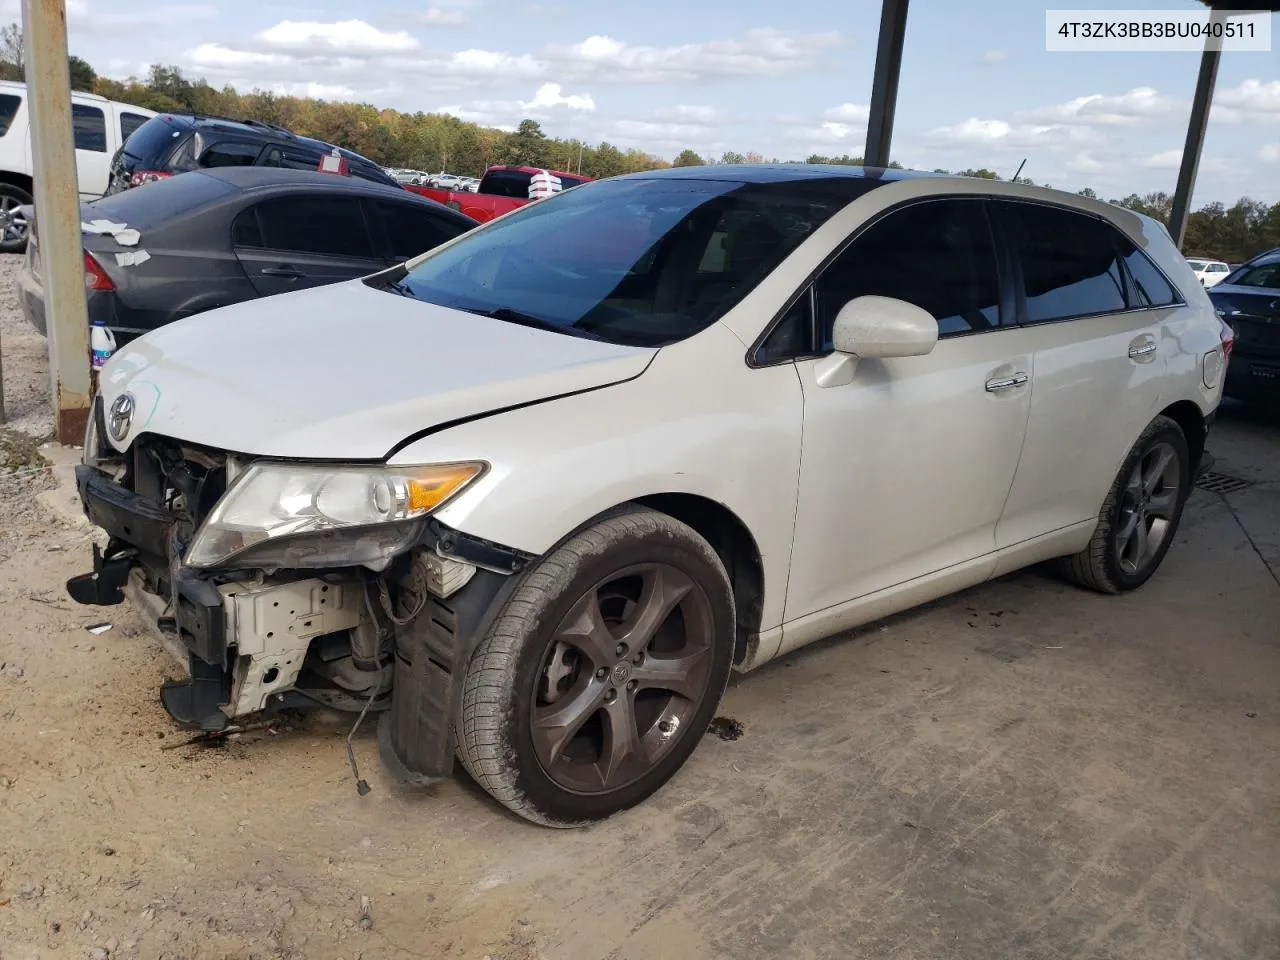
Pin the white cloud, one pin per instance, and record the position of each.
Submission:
(549, 96)
(1084, 163)
(994, 56)
(346, 37)
(688, 114)
(848, 113)
(439, 17)
(763, 52)
(1164, 160)
(1252, 100)
(216, 57)
(1270, 153)
(1138, 105)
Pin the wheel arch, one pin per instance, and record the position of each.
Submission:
(733, 541)
(1186, 414)
(20, 180)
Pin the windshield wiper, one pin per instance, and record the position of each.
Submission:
(529, 320)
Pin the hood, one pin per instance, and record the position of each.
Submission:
(343, 372)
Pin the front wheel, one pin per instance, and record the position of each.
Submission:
(601, 673)
(1140, 515)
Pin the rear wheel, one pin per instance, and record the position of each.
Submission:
(1140, 516)
(601, 673)
(13, 226)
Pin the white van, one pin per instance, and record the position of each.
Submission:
(101, 127)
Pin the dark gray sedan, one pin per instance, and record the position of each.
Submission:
(214, 237)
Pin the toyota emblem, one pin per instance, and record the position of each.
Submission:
(120, 418)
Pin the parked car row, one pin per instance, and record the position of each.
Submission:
(501, 190)
(534, 497)
(1248, 299)
(219, 236)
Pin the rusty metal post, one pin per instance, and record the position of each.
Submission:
(58, 214)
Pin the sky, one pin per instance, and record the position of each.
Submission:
(978, 88)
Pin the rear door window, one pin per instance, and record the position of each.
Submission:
(412, 230)
(291, 159)
(90, 128)
(1150, 288)
(9, 105)
(1070, 263)
(230, 153)
(130, 122)
(316, 224)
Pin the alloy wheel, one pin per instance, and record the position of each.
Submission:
(13, 225)
(1148, 508)
(622, 675)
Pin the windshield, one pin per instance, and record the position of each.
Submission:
(1196, 265)
(640, 262)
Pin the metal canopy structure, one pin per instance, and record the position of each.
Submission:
(884, 100)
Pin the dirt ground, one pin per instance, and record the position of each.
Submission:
(1023, 770)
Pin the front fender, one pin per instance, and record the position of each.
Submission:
(698, 421)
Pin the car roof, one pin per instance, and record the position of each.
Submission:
(259, 130)
(779, 173)
(260, 178)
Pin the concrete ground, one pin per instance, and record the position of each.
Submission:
(1023, 770)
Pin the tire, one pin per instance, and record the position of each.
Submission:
(13, 237)
(536, 727)
(1112, 562)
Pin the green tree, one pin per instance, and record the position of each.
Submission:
(12, 56)
(731, 157)
(981, 173)
(83, 76)
(687, 158)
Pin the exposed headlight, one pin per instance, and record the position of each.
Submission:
(318, 515)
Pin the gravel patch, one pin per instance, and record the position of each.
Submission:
(25, 358)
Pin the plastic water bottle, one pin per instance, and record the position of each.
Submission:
(102, 343)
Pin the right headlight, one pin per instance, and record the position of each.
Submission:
(320, 515)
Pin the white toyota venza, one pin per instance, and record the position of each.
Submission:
(532, 496)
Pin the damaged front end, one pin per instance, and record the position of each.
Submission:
(368, 617)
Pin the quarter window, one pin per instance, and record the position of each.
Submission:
(1150, 286)
(90, 128)
(936, 254)
(1070, 263)
(324, 225)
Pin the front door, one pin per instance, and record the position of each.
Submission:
(93, 162)
(905, 468)
(303, 240)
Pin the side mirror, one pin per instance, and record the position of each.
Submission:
(884, 327)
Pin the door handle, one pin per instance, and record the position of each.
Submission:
(1006, 383)
(292, 273)
(1142, 349)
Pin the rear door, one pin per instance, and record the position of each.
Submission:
(405, 230)
(1093, 306)
(303, 240)
(93, 161)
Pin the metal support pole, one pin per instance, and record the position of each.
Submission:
(58, 214)
(884, 85)
(1195, 142)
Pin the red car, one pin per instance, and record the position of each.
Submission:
(501, 190)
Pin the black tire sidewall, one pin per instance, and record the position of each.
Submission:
(1166, 432)
(9, 190)
(551, 799)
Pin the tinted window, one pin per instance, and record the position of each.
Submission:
(1150, 286)
(1218, 268)
(245, 231)
(938, 255)
(130, 122)
(1070, 265)
(90, 128)
(328, 225)
(292, 160)
(645, 261)
(1264, 275)
(507, 183)
(793, 335)
(412, 230)
(8, 110)
(230, 153)
(154, 141)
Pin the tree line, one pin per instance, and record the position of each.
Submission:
(440, 142)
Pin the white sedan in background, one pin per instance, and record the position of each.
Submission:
(1209, 272)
